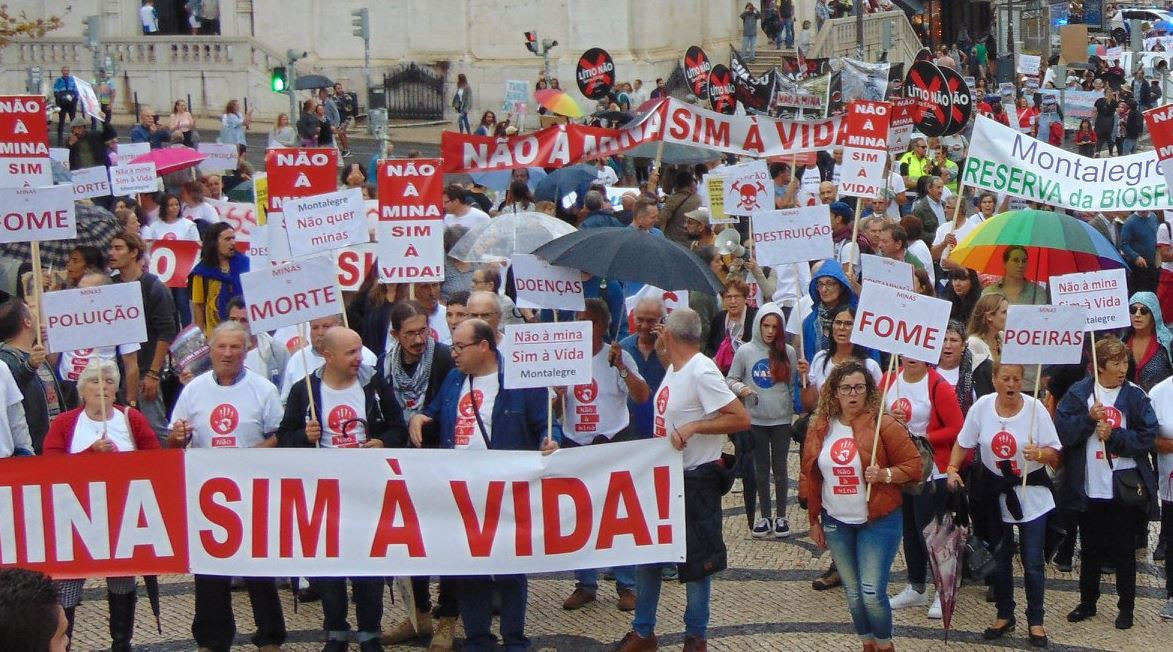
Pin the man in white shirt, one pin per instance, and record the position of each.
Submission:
(696, 409)
(308, 362)
(265, 355)
(229, 407)
(458, 212)
(149, 17)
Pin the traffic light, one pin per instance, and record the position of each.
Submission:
(279, 80)
(531, 42)
(93, 30)
(361, 20)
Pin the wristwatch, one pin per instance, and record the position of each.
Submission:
(624, 373)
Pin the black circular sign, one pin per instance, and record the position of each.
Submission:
(722, 96)
(696, 71)
(960, 100)
(933, 111)
(595, 73)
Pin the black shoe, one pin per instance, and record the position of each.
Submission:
(309, 594)
(1081, 613)
(1108, 569)
(992, 633)
(1124, 619)
(121, 620)
(370, 645)
(1159, 551)
(1063, 564)
(336, 646)
(1039, 640)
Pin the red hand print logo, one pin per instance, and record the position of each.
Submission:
(586, 393)
(339, 415)
(904, 405)
(224, 419)
(465, 406)
(662, 401)
(1004, 445)
(1113, 416)
(843, 451)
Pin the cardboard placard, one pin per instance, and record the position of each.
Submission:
(885, 271)
(133, 178)
(411, 189)
(37, 214)
(326, 222)
(866, 149)
(220, 157)
(299, 172)
(84, 318)
(91, 182)
(411, 251)
(545, 355)
(748, 188)
(792, 235)
(542, 285)
(901, 322)
(1104, 294)
(127, 152)
(291, 293)
(1044, 334)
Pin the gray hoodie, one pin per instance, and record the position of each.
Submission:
(774, 404)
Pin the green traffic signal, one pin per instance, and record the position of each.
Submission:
(278, 80)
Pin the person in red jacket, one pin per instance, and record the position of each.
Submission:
(98, 426)
(927, 404)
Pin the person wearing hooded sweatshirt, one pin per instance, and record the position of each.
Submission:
(763, 375)
(828, 289)
(1149, 340)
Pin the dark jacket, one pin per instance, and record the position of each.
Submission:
(36, 402)
(159, 314)
(384, 418)
(705, 551)
(442, 365)
(96, 144)
(1076, 429)
(519, 415)
(717, 329)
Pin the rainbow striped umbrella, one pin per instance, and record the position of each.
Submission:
(1055, 244)
(558, 102)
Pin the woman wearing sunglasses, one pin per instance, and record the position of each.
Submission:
(1148, 339)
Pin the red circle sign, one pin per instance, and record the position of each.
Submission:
(1113, 416)
(595, 73)
(662, 401)
(339, 415)
(903, 405)
(224, 419)
(465, 406)
(843, 451)
(696, 71)
(1004, 445)
(722, 95)
(586, 393)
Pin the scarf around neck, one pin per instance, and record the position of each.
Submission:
(410, 389)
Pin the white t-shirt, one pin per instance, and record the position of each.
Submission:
(340, 406)
(201, 211)
(818, 375)
(1003, 439)
(295, 370)
(1162, 398)
(181, 229)
(958, 232)
(896, 186)
(437, 326)
(1097, 481)
(228, 416)
(607, 176)
(921, 250)
(87, 431)
(470, 220)
(149, 18)
(913, 399)
(1164, 239)
(843, 487)
(289, 337)
(694, 392)
(468, 432)
(600, 407)
(10, 395)
(72, 363)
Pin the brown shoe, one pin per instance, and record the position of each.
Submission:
(443, 634)
(626, 600)
(635, 643)
(695, 644)
(405, 632)
(870, 646)
(580, 598)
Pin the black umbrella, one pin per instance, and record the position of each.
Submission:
(614, 117)
(95, 227)
(311, 82)
(564, 180)
(627, 254)
(152, 582)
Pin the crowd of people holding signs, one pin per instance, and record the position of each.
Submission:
(984, 364)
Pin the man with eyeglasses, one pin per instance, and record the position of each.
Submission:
(301, 364)
(915, 163)
(484, 306)
(458, 212)
(474, 411)
(353, 409)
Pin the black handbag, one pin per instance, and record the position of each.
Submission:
(979, 560)
(1128, 487)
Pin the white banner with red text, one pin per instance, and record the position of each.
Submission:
(363, 512)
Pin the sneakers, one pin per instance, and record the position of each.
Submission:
(442, 635)
(935, 609)
(580, 598)
(405, 632)
(1167, 610)
(761, 528)
(909, 598)
(669, 572)
(626, 600)
(781, 528)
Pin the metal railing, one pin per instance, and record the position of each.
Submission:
(839, 38)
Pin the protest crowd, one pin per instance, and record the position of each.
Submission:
(901, 335)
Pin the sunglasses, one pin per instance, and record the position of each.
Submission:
(1141, 310)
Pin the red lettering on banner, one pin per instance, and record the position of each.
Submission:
(523, 538)
(553, 489)
(327, 504)
(621, 489)
(221, 515)
(753, 139)
(295, 173)
(480, 532)
(397, 502)
(260, 517)
(411, 189)
(662, 477)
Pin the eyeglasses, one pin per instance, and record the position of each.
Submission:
(418, 334)
(842, 324)
(1141, 310)
(483, 315)
(827, 284)
(852, 390)
(460, 347)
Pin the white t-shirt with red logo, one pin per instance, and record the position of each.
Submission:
(341, 408)
(844, 493)
(912, 399)
(599, 407)
(87, 431)
(72, 363)
(180, 229)
(228, 416)
(468, 432)
(295, 370)
(694, 392)
(1097, 481)
(1162, 397)
(1003, 438)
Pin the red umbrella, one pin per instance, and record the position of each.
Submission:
(171, 159)
(945, 541)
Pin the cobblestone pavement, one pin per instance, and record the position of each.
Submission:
(763, 601)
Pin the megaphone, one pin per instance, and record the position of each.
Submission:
(728, 243)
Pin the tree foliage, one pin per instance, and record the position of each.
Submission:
(20, 25)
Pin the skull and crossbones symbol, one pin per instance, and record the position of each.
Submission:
(748, 195)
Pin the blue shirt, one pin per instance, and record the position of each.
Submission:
(1138, 238)
(140, 134)
(643, 414)
(65, 85)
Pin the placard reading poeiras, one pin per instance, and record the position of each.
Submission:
(410, 251)
(543, 355)
(1104, 294)
(322, 223)
(901, 322)
(792, 235)
(1044, 334)
(83, 318)
(292, 293)
(542, 285)
(133, 178)
(38, 214)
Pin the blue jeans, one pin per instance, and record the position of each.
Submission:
(864, 555)
(588, 578)
(647, 598)
(1030, 536)
(462, 123)
(788, 31)
(476, 612)
(1129, 146)
(368, 606)
(749, 46)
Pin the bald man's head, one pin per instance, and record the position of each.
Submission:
(485, 305)
(342, 349)
(318, 328)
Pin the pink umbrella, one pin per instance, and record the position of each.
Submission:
(171, 159)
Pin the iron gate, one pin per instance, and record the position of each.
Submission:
(415, 93)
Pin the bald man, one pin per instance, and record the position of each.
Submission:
(354, 408)
(485, 306)
(297, 366)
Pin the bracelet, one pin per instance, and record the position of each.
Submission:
(889, 470)
(151, 373)
(951, 469)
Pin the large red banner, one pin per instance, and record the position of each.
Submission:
(300, 172)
